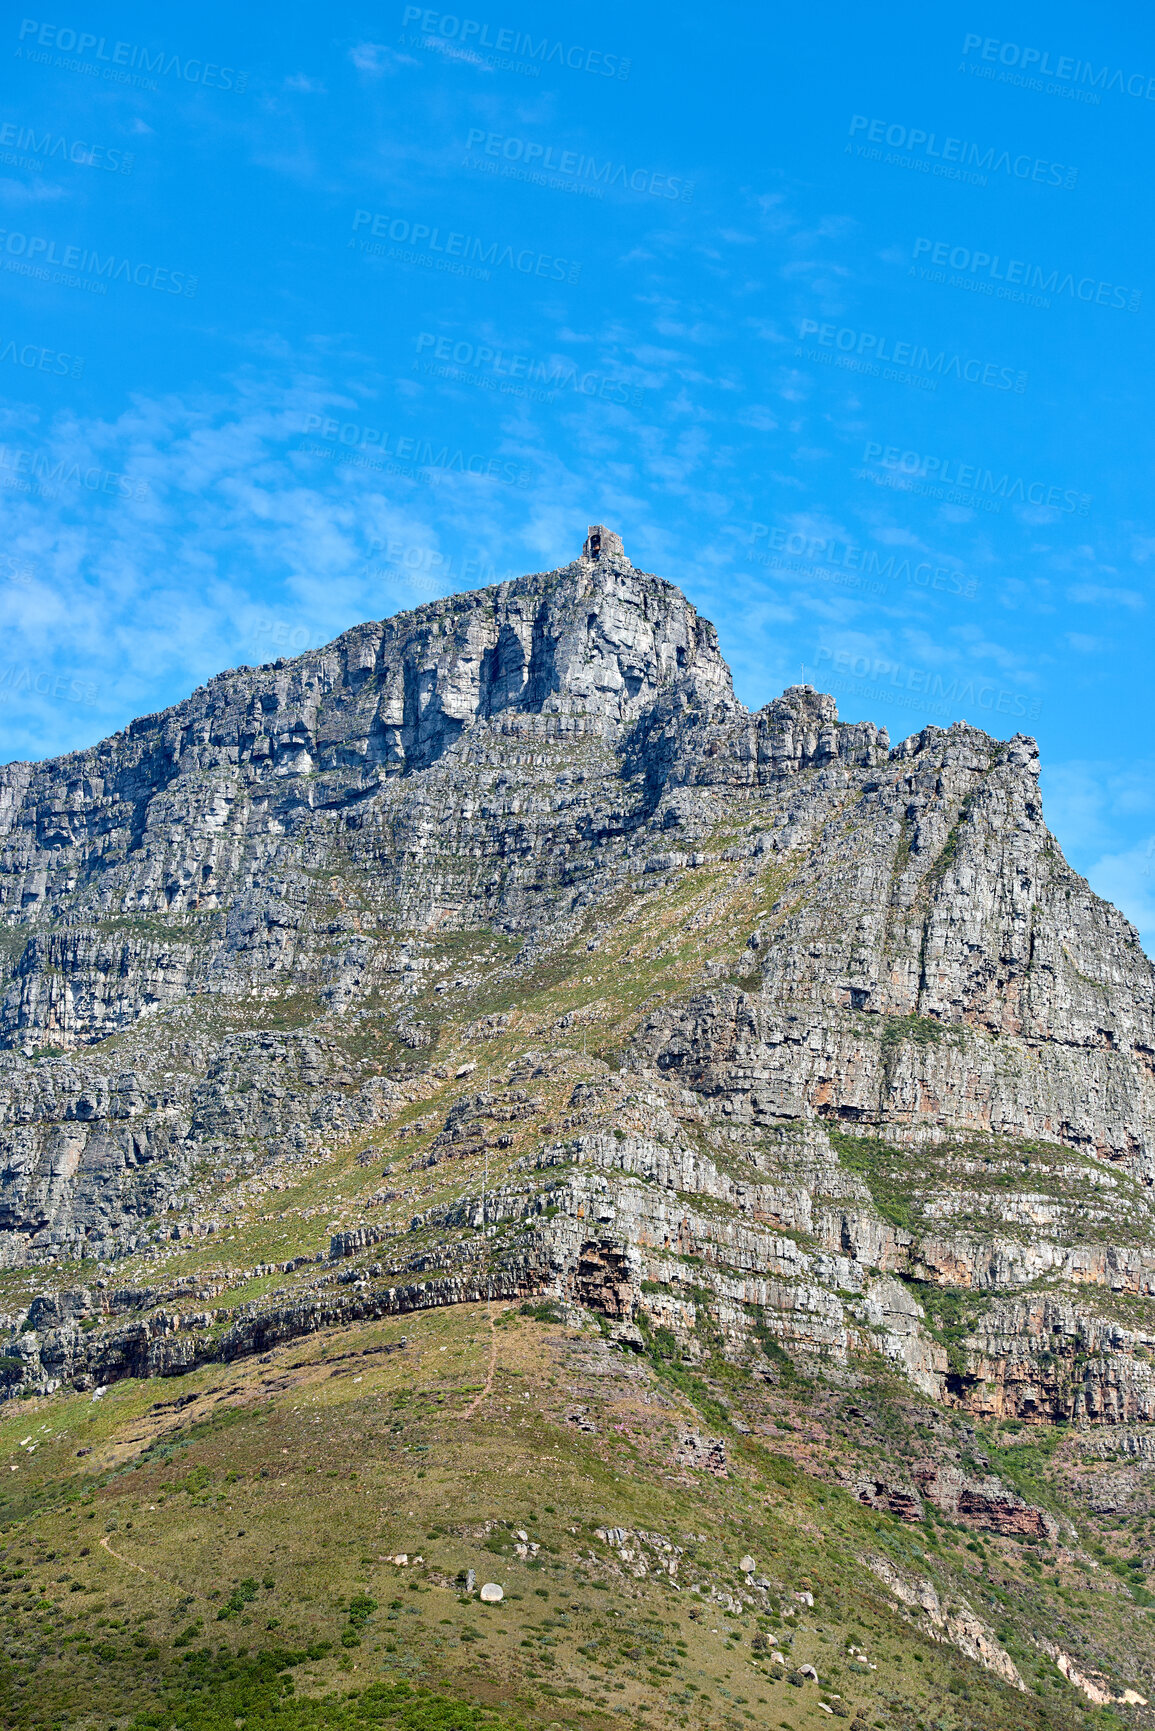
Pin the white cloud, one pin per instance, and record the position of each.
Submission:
(1095, 595)
(1095, 811)
(1128, 880)
(18, 193)
(379, 60)
(227, 530)
(1090, 804)
(758, 418)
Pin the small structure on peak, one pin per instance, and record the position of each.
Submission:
(602, 543)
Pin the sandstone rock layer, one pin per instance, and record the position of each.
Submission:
(750, 1018)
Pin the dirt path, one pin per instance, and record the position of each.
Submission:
(488, 1389)
(129, 1564)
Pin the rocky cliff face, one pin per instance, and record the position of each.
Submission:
(179, 855)
(786, 1035)
(933, 899)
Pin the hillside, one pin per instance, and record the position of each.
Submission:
(477, 1092)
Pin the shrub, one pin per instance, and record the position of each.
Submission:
(241, 1595)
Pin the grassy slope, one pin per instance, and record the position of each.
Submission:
(310, 1468)
(677, 933)
(253, 1509)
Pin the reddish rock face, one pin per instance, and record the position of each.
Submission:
(985, 1503)
(893, 1499)
(1006, 1514)
(602, 1280)
(703, 1454)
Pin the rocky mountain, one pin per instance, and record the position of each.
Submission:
(497, 951)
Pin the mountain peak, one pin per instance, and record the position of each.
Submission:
(592, 643)
(603, 543)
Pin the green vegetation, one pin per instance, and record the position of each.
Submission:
(951, 1313)
(949, 854)
(235, 1561)
(788, 1371)
(885, 1171)
(920, 1030)
(192, 927)
(548, 1312)
(268, 1501)
(218, 1691)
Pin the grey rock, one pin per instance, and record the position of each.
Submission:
(914, 967)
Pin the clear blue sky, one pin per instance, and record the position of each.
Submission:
(842, 316)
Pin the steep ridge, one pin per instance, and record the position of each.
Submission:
(499, 770)
(496, 952)
(365, 751)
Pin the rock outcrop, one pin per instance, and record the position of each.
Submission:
(792, 1042)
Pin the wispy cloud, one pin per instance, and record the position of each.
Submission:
(1128, 879)
(145, 590)
(1094, 810)
(378, 60)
